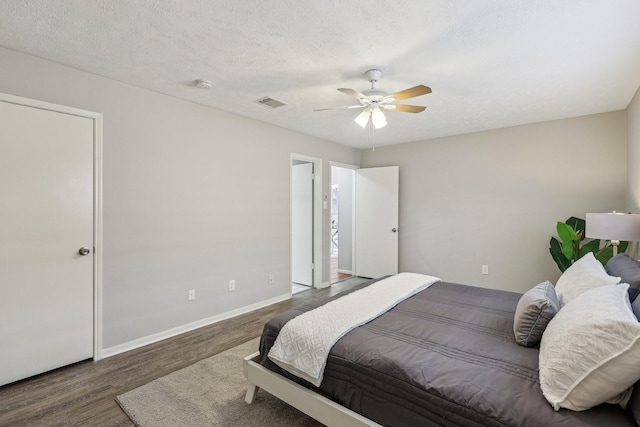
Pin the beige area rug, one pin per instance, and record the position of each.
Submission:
(209, 393)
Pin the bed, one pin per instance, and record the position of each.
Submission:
(445, 356)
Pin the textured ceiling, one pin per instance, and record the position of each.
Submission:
(490, 63)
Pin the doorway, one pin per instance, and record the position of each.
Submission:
(305, 223)
(342, 222)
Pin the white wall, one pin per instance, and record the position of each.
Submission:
(494, 197)
(633, 154)
(193, 197)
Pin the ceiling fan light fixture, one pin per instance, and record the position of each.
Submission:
(363, 118)
(378, 118)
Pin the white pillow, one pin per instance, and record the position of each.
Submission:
(590, 351)
(585, 274)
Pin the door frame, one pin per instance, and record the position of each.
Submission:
(97, 202)
(302, 223)
(353, 213)
(317, 218)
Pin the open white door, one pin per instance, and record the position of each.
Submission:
(302, 223)
(377, 221)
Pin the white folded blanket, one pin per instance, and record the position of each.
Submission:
(303, 344)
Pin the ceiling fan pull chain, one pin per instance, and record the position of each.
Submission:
(373, 146)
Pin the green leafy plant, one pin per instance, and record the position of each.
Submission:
(571, 245)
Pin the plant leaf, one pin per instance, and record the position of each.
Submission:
(604, 254)
(561, 261)
(592, 246)
(622, 247)
(555, 249)
(566, 232)
(578, 224)
(568, 236)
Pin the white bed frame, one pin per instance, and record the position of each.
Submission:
(311, 403)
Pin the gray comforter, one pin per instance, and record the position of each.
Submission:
(444, 357)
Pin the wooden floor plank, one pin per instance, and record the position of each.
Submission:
(83, 394)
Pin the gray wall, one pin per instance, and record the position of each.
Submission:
(193, 197)
(494, 197)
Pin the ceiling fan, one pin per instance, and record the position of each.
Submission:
(374, 101)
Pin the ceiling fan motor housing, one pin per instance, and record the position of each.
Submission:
(373, 75)
(374, 94)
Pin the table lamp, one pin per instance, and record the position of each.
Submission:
(613, 226)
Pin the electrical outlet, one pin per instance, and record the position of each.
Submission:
(232, 285)
(270, 279)
(192, 294)
(485, 269)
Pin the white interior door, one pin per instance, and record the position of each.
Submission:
(302, 223)
(46, 216)
(377, 221)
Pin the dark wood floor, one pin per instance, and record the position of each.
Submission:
(83, 394)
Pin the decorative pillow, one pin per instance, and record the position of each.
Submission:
(629, 271)
(534, 311)
(590, 351)
(585, 274)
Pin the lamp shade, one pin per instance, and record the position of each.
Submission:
(613, 226)
(363, 118)
(378, 118)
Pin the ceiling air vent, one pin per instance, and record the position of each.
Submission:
(267, 101)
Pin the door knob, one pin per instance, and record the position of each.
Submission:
(395, 230)
(84, 251)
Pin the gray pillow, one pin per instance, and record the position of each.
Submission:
(534, 311)
(628, 269)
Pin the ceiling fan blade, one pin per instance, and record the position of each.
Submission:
(363, 118)
(378, 119)
(409, 93)
(340, 108)
(405, 108)
(353, 93)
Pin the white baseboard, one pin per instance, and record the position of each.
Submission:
(345, 271)
(150, 339)
(324, 285)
